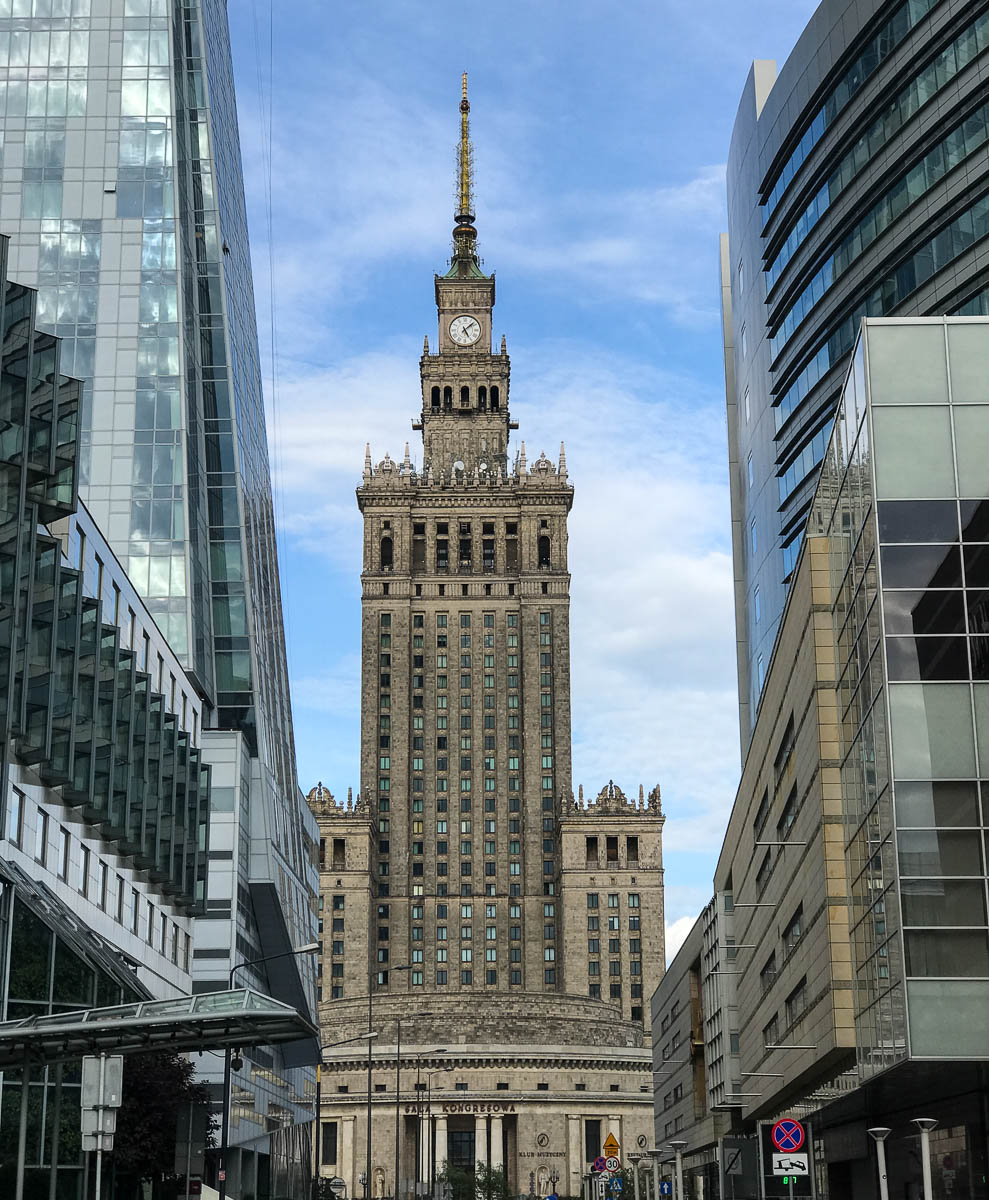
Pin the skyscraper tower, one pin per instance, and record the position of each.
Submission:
(479, 903)
(123, 196)
(856, 188)
(466, 645)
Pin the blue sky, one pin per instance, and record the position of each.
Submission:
(600, 133)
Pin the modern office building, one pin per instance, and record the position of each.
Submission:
(857, 186)
(854, 864)
(122, 193)
(490, 912)
(105, 791)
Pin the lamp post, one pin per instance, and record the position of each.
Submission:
(329, 1046)
(879, 1134)
(419, 1146)
(925, 1125)
(308, 948)
(678, 1148)
(633, 1158)
(429, 1123)
(656, 1155)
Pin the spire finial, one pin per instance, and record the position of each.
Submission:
(465, 235)
(466, 208)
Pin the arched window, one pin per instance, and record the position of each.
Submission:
(543, 550)
(465, 397)
(387, 554)
(494, 399)
(434, 397)
(482, 397)
(448, 397)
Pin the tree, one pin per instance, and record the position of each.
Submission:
(483, 1183)
(158, 1089)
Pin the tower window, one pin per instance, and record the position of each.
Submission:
(465, 397)
(482, 397)
(434, 398)
(543, 550)
(387, 553)
(448, 397)
(494, 399)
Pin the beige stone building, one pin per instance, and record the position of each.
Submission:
(498, 936)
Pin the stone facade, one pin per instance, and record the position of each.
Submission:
(466, 896)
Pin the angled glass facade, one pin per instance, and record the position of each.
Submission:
(123, 197)
(857, 186)
(904, 501)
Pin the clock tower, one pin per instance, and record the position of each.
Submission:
(482, 905)
(465, 422)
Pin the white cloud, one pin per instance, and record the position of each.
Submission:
(676, 935)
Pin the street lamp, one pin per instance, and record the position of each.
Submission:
(329, 1046)
(419, 1146)
(634, 1159)
(308, 948)
(925, 1125)
(429, 1123)
(879, 1134)
(657, 1156)
(678, 1148)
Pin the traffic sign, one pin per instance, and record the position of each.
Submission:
(616, 1185)
(611, 1163)
(338, 1186)
(733, 1162)
(788, 1135)
(600, 1184)
(791, 1164)
(598, 1164)
(611, 1145)
(665, 1187)
(606, 1176)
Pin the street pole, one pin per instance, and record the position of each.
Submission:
(310, 948)
(319, 1125)
(677, 1148)
(398, 1105)
(655, 1175)
(22, 1131)
(634, 1159)
(925, 1125)
(879, 1134)
(99, 1129)
(367, 1166)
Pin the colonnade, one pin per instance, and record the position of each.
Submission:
(434, 1143)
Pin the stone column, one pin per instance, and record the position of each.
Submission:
(441, 1148)
(575, 1158)
(346, 1156)
(497, 1150)
(481, 1140)
(425, 1144)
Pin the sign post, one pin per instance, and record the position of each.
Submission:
(102, 1084)
(788, 1137)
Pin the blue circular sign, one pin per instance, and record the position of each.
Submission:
(788, 1135)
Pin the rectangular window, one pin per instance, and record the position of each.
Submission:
(84, 871)
(15, 821)
(328, 1144)
(592, 1139)
(41, 838)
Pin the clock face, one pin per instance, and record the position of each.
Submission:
(465, 330)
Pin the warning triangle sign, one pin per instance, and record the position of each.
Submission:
(611, 1144)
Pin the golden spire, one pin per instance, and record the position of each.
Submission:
(466, 155)
(464, 235)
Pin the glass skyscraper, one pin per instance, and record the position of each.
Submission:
(857, 182)
(122, 192)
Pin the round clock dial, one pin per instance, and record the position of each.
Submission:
(465, 330)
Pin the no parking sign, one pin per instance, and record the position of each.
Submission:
(788, 1135)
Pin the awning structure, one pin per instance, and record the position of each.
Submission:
(210, 1021)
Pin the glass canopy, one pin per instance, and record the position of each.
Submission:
(210, 1021)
